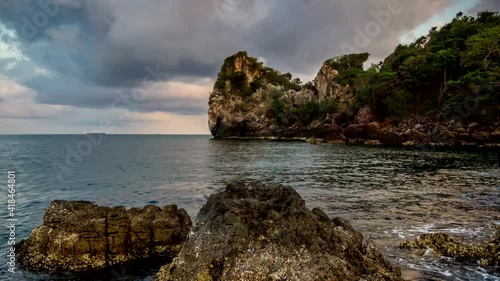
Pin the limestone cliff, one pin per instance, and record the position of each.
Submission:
(251, 100)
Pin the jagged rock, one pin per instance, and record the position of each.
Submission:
(248, 99)
(364, 116)
(386, 136)
(473, 125)
(328, 132)
(372, 131)
(418, 136)
(253, 232)
(327, 87)
(79, 236)
(356, 131)
(373, 142)
(315, 141)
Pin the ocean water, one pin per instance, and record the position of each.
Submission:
(388, 193)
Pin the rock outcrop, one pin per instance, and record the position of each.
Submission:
(250, 100)
(262, 232)
(442, 244)
(79, 236)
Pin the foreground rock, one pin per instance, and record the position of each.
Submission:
(78, 236)
(258, 232)
(443, 244)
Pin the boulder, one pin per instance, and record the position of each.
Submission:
(356, 131)
(79, 236)
(364, 116)
(262, 232)
(473, 125)
(386, 136)
(417, 136)
(328, 132)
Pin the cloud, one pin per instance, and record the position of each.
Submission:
(482, 5)
(85, 54)
(109, 43)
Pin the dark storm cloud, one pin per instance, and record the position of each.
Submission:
(491, 5)
(96, 50)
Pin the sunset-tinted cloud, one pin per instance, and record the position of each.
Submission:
(77, 57)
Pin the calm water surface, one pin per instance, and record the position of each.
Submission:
(388, 194)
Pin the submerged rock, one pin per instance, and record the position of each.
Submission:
(443, 244)
(262, 232)
(79, 236)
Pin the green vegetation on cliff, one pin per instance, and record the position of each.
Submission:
(245, 86)
(413, 95)
(437, 72)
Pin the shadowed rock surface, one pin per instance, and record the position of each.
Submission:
(263, 232)
(79, 236)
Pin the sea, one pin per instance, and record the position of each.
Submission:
(387, 193)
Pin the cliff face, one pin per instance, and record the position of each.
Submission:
(254, 101)
(250, 100)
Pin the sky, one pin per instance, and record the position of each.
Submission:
(147, 67)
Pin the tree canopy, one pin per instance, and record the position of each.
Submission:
(436, 72)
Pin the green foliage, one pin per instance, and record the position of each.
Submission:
(309, 86)
(327, 106)
(398, 103)
(483, 49)
(238, 79)
(276, 78)
(348, 76)
(279, 111)
(304, 113)
(436, 72)
(256, 84)
(348, 61)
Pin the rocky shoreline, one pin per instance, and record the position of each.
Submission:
(250, 231)
(252, 101)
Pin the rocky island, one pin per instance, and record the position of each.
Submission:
(441, 89)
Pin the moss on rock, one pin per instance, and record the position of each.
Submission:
(445, 245)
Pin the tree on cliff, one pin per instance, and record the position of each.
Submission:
(437, 71)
